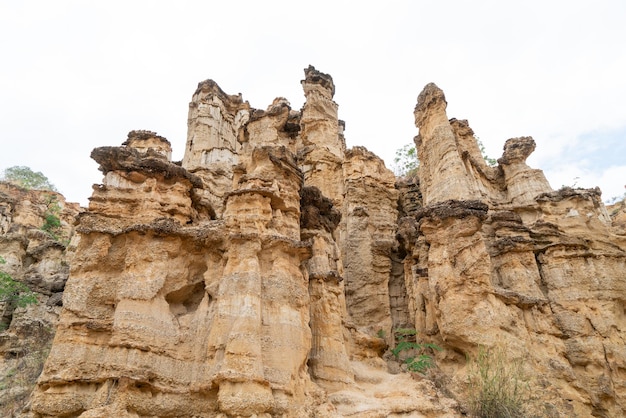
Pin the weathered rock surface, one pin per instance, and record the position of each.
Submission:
(540, 272)
(40, 260)
(617, 212)
(217, 287)
(266, 273)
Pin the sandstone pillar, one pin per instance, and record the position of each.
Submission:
(442, 173)
(523, 183)
(459, 268)
(136, 302)
(370, 212)
(321, 146)
(260, 337)
(328, 360)
(213, 125)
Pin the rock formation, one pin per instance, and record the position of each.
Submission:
(265, 275)
(498, 257)
(40, 260)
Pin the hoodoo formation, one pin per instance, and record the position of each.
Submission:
(267, 274)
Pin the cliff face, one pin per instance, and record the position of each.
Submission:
(497, 257)
(265, 275)
(39, 260)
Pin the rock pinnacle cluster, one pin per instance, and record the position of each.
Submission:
(267, 274)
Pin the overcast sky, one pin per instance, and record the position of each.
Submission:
(75, 75)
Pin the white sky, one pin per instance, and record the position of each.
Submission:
(76, 75)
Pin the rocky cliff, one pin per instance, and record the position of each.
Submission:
(38, 256)
(268, 273)
(513, 262)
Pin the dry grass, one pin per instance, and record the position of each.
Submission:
(497, 385)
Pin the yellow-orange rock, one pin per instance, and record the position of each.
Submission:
(266, 274)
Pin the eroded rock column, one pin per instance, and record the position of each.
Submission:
(260, 338)
(138, 300)
(442, 173)
(523, 183)
(370, 212)
(321, 147)
(212, 149)
(459, 271)
(328, 361)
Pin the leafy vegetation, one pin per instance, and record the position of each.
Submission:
(14, 292)
(420, 361)
(406, 162)
(492, 162)
(52, 222)
(497, 386)
(25, 177)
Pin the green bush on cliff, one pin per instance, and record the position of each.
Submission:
(14, 292)
(52, 222)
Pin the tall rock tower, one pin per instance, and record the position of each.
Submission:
(213, 126)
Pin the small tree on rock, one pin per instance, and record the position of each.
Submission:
(405, 161)
(25, 177)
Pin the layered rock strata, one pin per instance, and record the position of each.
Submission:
(370, 210)
(266, 273)
(216, 286)
(213, 126)
(496, 257)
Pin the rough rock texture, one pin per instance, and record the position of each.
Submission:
(214, 123)
(41, 262)
(498, 258)
(442, 174)
(216, 287)
(617, 212)
(370, 210)
(265, 274)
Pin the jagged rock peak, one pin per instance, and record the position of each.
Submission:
(142, 135)
(148, 141)
(362, 152)
(517, 149)
(208, 90)
(461, 127)
(430, 97)
(278, 106)
(312, 76)
(210, 86)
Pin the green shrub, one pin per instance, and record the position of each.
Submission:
(12, 291)
(497, 387)
(52, 222)
(407, 342)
